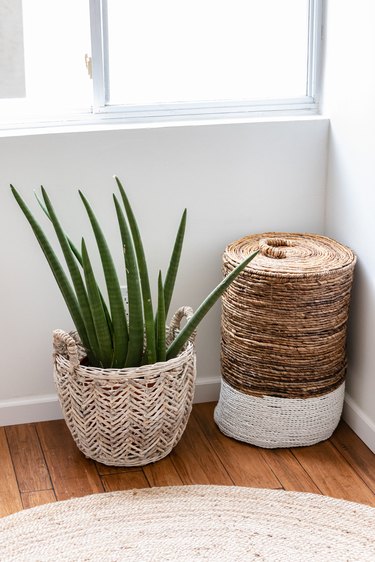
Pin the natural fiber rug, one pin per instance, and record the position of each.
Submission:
(192, 523)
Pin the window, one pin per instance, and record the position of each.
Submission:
(54, 44)
(12, 71)
(146, 59)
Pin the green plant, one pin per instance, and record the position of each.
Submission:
(112, 335)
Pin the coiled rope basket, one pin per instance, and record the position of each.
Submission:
(283, 352)
(125, 417)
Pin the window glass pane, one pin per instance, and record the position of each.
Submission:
(169, 51)
(12, 68)
(56, 36)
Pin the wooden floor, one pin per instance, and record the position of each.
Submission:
(40, 463)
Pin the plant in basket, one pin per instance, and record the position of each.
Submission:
(125, 380)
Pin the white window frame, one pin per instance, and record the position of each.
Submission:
(308, 104)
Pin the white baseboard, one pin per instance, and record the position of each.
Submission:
(30, 409)
(46, 407)
(360, 423)
(207, 389)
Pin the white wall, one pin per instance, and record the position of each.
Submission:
(233, 178)
(348, 101)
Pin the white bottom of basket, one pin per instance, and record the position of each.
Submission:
(272, 422)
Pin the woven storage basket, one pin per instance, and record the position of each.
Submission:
(284, 323)
(125, 417)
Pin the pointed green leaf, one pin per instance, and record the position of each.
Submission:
(57, 270)
(71, 244)
(98, 313)
(161, 348)
(75, 275)
(143, 274)
(79, 259)
(120, 330)
(202, 310)
(170, 278)
(135, 308)
(174, 262)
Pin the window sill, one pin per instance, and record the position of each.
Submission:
(97, 125)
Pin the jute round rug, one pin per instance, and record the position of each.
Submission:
(192, 523)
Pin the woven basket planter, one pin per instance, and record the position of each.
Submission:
(125, 417)
(283, 353)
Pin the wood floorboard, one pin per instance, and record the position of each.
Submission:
(332, 473)
(10, 498)
(103, 469)
(28, 459)
(244, 463)
(124, 481)
(72, 474)
(288, 471)
(356, 453)
(195, 460)
(33, 499)
(40, 463)
(162, 473)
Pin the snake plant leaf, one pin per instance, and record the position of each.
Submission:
(120, 329)
(103, 332)
(57, 270)
(174, 262)
(75, 275)
(170, 278)
(71, 244)
(41, 205)
(206, 305)
(78, 257)
(161, 346)
(143, 274)
(135, 308)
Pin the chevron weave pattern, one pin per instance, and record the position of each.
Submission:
(124, 417)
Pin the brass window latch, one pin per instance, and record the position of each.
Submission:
(88, 63)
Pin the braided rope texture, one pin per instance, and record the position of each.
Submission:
(283, 347)
(192, 523)
(124, 417)
(272, 422)
(284, 319)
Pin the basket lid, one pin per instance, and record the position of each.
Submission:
(290, 254)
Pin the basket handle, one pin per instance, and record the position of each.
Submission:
(175, 323)
(64, 344)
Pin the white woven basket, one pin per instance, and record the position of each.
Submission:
(125, 417)
(272, 422)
